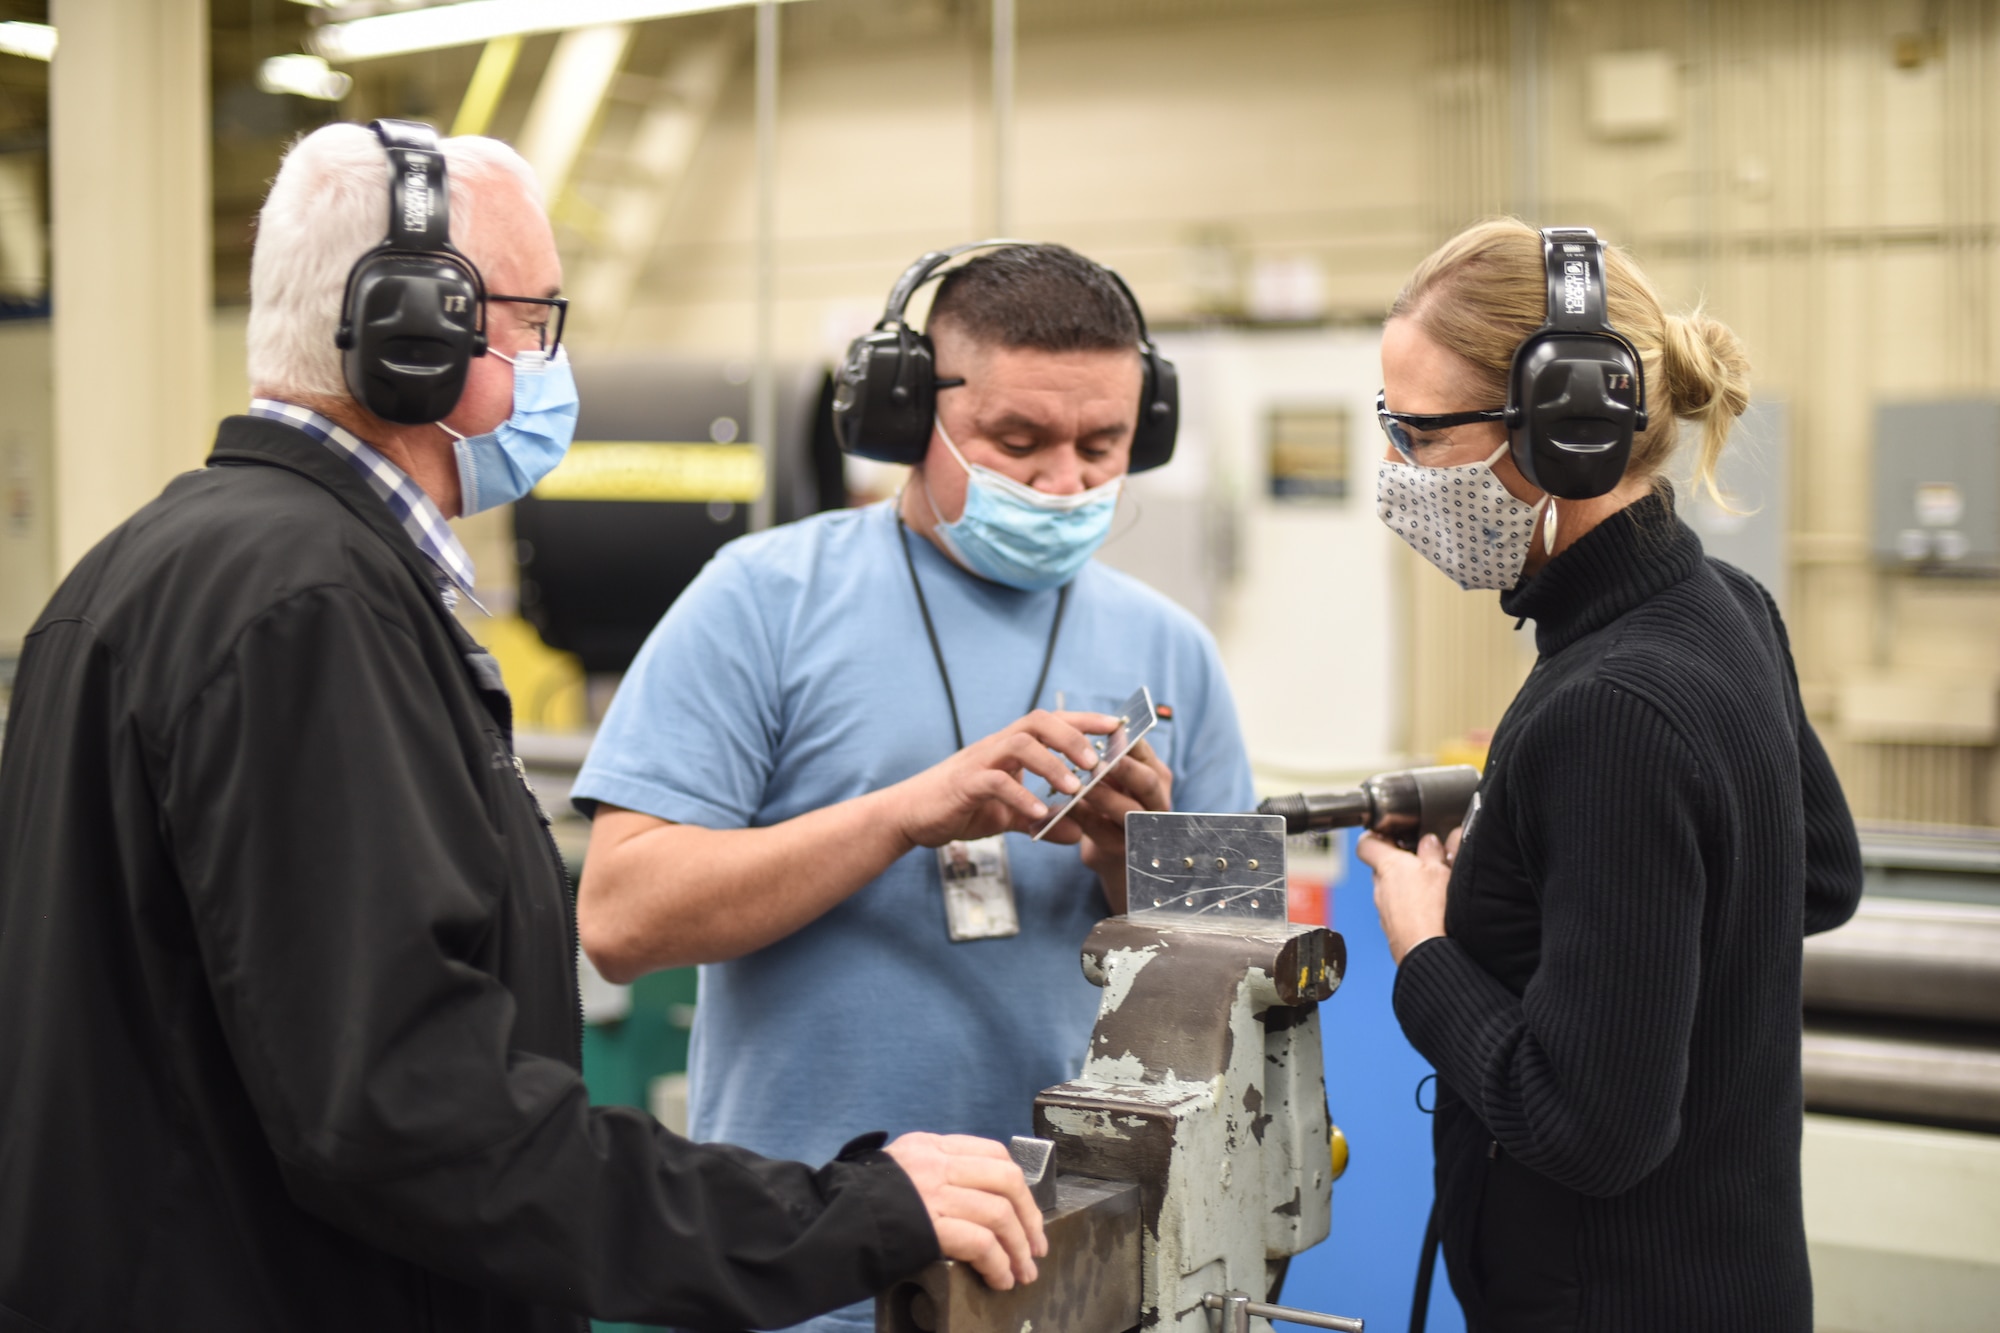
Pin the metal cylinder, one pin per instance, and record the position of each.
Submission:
(1909, 958)
(1916, 1075)
(1903, 1002)
(1303, 813)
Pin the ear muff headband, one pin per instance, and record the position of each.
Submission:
(414, 312)
(885, 391)
(1576, 392)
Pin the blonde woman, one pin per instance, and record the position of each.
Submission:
(1603, 963)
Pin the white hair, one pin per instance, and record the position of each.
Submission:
(329, 205)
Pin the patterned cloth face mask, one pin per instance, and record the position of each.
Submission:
(1461, 519)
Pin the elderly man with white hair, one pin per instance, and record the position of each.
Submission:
(286, 953)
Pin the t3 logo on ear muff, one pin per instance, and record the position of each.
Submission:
(885, 391)
(414, 314)
(1576, 394)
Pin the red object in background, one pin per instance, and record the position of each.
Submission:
(1305, 900)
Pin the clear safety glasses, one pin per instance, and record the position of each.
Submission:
(1398, 425)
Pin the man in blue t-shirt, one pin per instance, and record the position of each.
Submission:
(817, 779)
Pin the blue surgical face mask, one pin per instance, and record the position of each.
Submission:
(1025, 538)
(505, 463)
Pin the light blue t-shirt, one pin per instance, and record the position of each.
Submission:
(793, 674)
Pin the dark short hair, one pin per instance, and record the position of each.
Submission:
(1047, 297)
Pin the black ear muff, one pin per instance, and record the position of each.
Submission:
(414, 314)
(1159, 413)
(1576, 394)
(885, 389)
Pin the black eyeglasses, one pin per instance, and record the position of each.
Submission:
(550, 330)
(1393, 423)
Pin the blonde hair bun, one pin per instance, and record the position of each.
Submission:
(1707, 375)
(1706, 367)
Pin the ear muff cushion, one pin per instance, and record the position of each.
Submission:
(412, 327)
(1570, 422)
(884, 396)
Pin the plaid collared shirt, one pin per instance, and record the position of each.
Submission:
(406, 499)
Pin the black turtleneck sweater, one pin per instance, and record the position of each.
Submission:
(1613, 1010)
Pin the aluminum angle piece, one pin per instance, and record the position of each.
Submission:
(1136, 716)
(1227, 869)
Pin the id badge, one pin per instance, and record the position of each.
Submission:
(978, 890)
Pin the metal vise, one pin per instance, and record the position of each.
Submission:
(1194, 1150)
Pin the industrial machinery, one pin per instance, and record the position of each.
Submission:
(662, 474)
(1903, 1002)
(1401, 806)
(1194, 1155)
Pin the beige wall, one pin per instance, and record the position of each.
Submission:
(27, 544)
(27, 455)
(1289, 132)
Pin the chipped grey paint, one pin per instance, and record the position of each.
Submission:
(1204, 1084)
(1116, 972)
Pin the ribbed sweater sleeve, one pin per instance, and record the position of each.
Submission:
(1581, 1076)
(1833, 848)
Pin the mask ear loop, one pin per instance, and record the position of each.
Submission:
(1547, 504)
(937, 515)
(504, 357)
(1135, 510)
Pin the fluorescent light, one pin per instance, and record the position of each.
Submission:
(305, 76)
(471, 21)
(36, 41)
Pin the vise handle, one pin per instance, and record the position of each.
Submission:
(1238, 1310)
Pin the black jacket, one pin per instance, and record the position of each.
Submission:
(1614, 1008)
(286, 959)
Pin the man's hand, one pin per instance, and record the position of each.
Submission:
(978, 1202)
(978, 791)
(1409, 890)
(1141, 781)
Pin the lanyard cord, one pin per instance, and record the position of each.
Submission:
(937, 652)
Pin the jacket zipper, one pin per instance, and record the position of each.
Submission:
(569, 897)
(569, 905)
